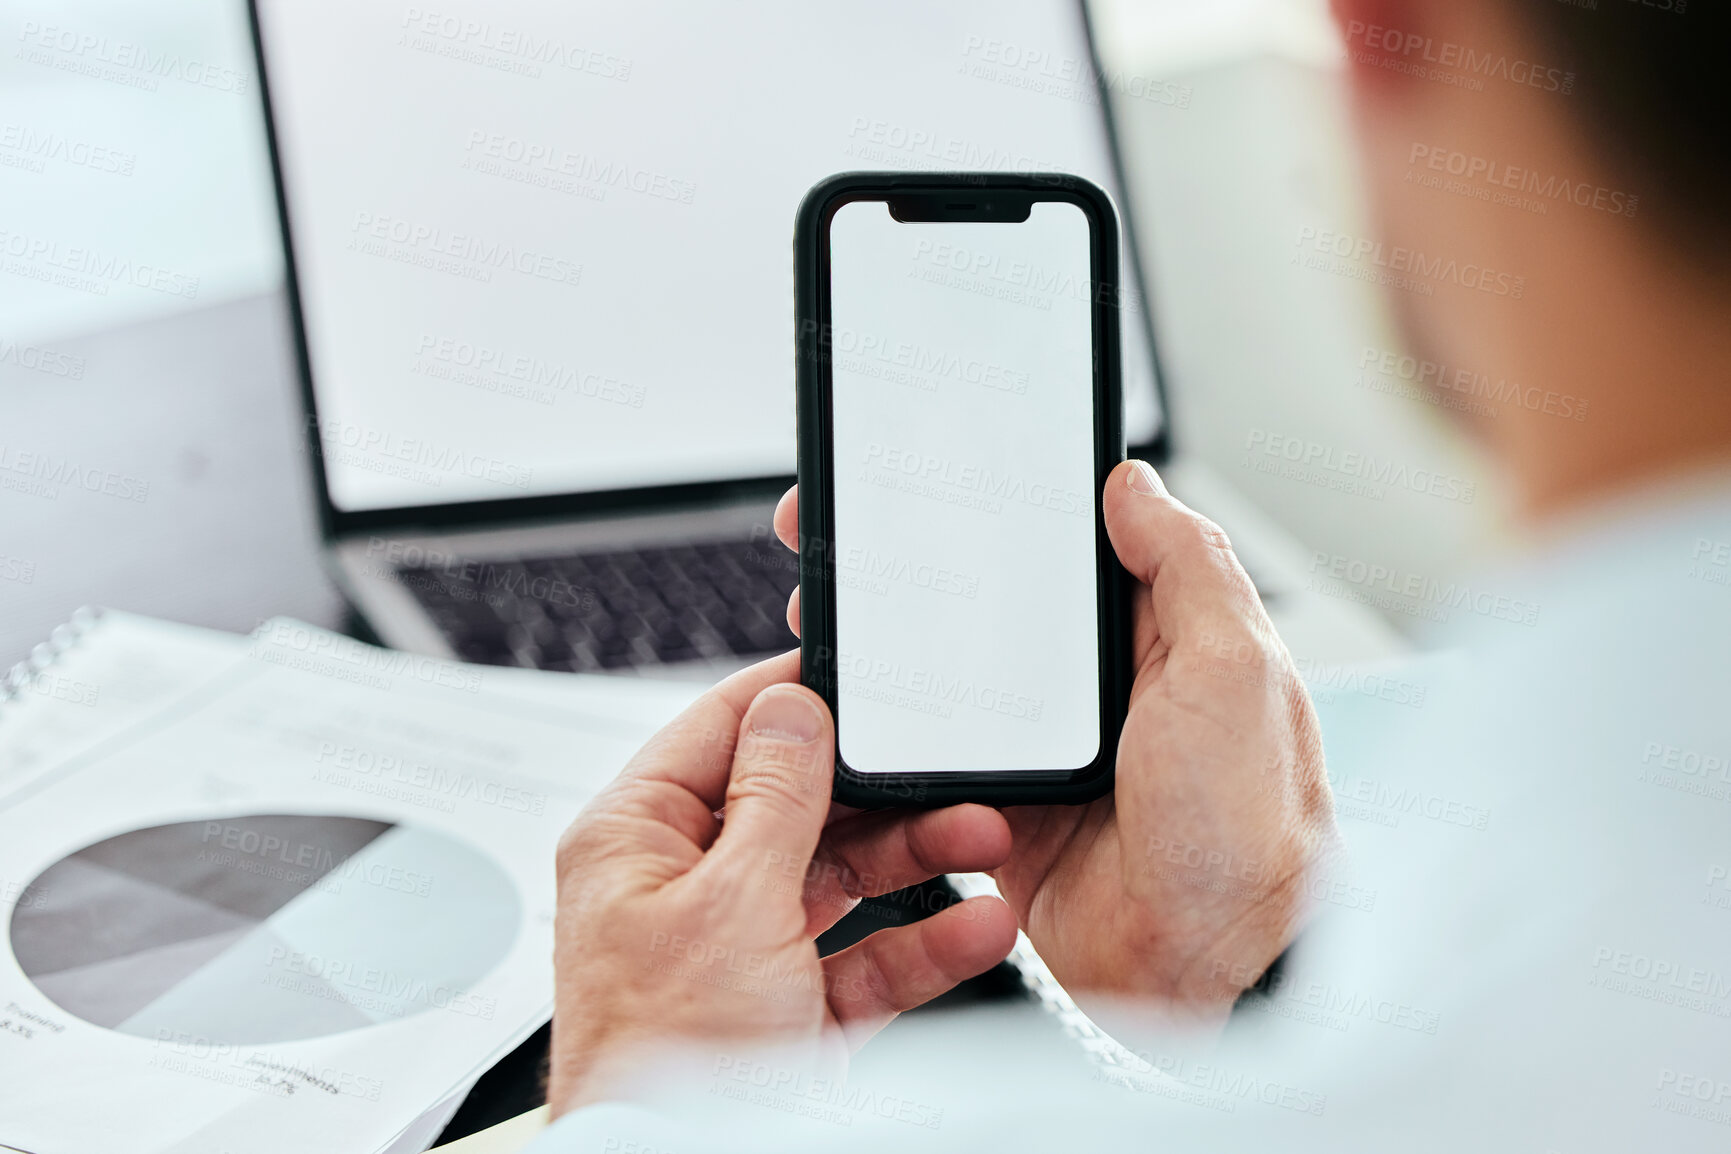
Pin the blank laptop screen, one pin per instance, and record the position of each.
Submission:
(545, 247)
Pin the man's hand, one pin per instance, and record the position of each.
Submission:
(1186, 882)
(692, 889)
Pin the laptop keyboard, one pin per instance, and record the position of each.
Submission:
(615, 608)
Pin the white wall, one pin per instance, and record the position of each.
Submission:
(131, 147)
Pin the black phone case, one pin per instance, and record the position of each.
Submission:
(818, 652)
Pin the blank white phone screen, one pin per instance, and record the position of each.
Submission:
(964, 552)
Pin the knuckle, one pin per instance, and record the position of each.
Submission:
(586, 842)
(773, 784)
(572, 852)
(708, 745)
(926, 847)
(830, 871)
(875, 986)
(1209, 534)
(781, 759)
(1211, 546)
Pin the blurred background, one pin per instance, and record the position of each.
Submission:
(188, 387)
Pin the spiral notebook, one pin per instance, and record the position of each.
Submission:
(283, 892)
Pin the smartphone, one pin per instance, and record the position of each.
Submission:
(961, 609)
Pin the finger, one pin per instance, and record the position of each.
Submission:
(661, 808)
(877, 853)
(1201, 597)
(787, 528)
(778, 791)
(686, 765)
(869, 983)
(787, 518)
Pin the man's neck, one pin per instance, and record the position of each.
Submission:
(1647, 344)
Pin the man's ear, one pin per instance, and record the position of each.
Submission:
(1378, 33)
(1356, 16)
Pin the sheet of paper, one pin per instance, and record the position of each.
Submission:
(286, 892)
(110, 672)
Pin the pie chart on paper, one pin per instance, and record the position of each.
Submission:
(265, 928)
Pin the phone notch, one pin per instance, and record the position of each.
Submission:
(994, 207)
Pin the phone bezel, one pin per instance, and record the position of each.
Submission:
(813, 387)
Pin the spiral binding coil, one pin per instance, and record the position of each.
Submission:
(62, 638)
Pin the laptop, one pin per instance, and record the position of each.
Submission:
(539, 261)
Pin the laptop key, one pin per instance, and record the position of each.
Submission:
(614, 608)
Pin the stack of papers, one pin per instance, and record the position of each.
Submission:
(285, 892)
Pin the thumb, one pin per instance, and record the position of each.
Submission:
(1202, 598)
(778, 790)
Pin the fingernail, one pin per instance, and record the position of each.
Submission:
(786, 716)
(1143, 479)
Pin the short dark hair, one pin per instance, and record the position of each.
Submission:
(1653, 81)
